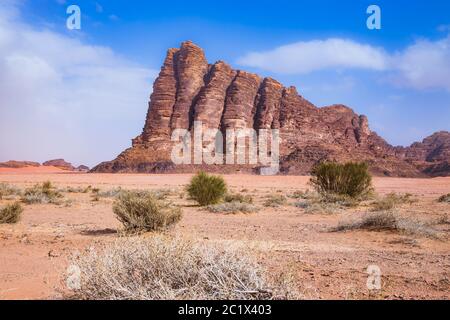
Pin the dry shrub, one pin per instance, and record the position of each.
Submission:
(275, 200)
(389, 221)
(140, 212)
(110, 193)
(233, 207)
(42, 193)
(11, 213)
(319, 207)
(303, 194)
(206, 189)
(236, 197)
(7, 190)
(392, 201)
(349, 179)
(161, 268)
(445, 198)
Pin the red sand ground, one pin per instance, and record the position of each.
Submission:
(34, 253)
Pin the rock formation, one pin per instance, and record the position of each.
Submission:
(59, 163)
(18, 164)
(188, 89)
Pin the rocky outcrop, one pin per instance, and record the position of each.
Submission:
(188, 90)
(18, 164)
(59, 163)
(82, 168)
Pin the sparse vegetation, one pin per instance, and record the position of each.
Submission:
(445, 198)
(110, 193)
(392, 201)
(349, 179)
(233, 207)
(275, 200)
(319, 207)
(207, 189)
(160, 268)
(7, 190)
(388, 221)
(144, 212)
(302, 194)
(11, 213)
(42, 193)
(236, 197)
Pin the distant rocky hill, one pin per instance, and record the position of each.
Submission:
(58, 163)
(189, 89)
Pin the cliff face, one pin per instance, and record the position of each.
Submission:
(188, 89)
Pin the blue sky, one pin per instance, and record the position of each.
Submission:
(99, 78)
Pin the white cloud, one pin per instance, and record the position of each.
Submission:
(60, 97)
(309, 56)
(423, 65)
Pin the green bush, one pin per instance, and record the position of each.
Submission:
(207, 189)
(11, 213)
(140, 212)
(349, 179)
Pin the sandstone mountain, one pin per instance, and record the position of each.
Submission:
(189, 89)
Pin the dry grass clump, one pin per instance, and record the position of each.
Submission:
(76, 189)
(206, 189)
(303, 194)
(7, 190)
(110, 193)
(11, 213)
(160, 268)
(144, 212)
(389, 221)
(319, 207)
(349, 179)
(42, 193)
(236, 197)
(275, 200)
(392, 201)
(233, 207)
(445, 198)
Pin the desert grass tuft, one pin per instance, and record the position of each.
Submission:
(233, 207)
(236, 197)
(141, 212)
(162, 268)
(42, 193)
(389, 221)
(392, 201)
(11, 213)
(7, 190)
(444, 198)
(275, 200)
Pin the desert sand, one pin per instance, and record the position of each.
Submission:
(34, 253)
